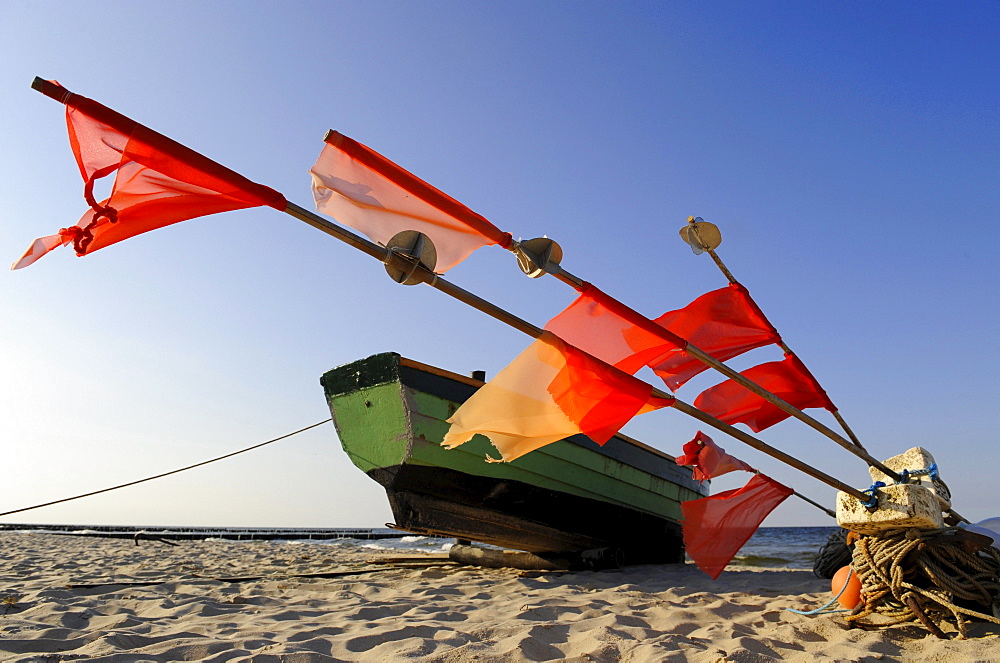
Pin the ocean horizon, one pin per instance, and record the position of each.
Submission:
(769, 547)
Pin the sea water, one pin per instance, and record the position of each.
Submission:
(789, 547)
(769, 547)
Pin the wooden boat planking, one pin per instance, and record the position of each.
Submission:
(568, 497)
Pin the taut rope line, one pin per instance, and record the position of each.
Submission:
(165, 474)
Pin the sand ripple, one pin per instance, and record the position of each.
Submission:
(82, 598)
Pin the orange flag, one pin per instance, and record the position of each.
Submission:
(787, 379)
(724, 323)
(549, 392)
(716, 527)
(361, 188)
(158, 182)
(709, 460)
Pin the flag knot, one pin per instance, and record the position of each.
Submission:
(83, 238)
(73, 234)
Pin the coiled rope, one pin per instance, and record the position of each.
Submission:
(165, 474)
(834, 554)
(932, 577)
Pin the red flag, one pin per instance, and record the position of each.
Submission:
(549, 392)
(361, 188)
(158, 182)
(709, 460)
(724, 323)
(600, 397)
(787, 379)
(607, 329)
(716, 527)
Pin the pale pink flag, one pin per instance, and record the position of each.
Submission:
(360, 188)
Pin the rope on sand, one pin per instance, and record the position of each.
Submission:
(932, 577)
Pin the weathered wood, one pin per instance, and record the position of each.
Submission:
(496, 558)
(599, 559)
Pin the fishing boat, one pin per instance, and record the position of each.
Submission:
(573, 497)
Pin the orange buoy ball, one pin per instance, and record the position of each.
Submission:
(851, 596)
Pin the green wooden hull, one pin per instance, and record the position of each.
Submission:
(569, 496)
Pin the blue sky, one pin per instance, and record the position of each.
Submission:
(848, 151)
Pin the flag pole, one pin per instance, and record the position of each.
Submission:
(708, 245)
(416, 272)
(710, 250)
(577, 283)
(829, 512)
(556, 270)
(405, 264)
(539, 256)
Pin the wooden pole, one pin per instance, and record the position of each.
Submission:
(729, 276)
(829, 512)
(719, 366)
(404, 263)
(861, 452)
(854, 447)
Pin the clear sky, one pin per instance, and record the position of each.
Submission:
(850, 153)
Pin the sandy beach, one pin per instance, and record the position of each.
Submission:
(96, 599)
